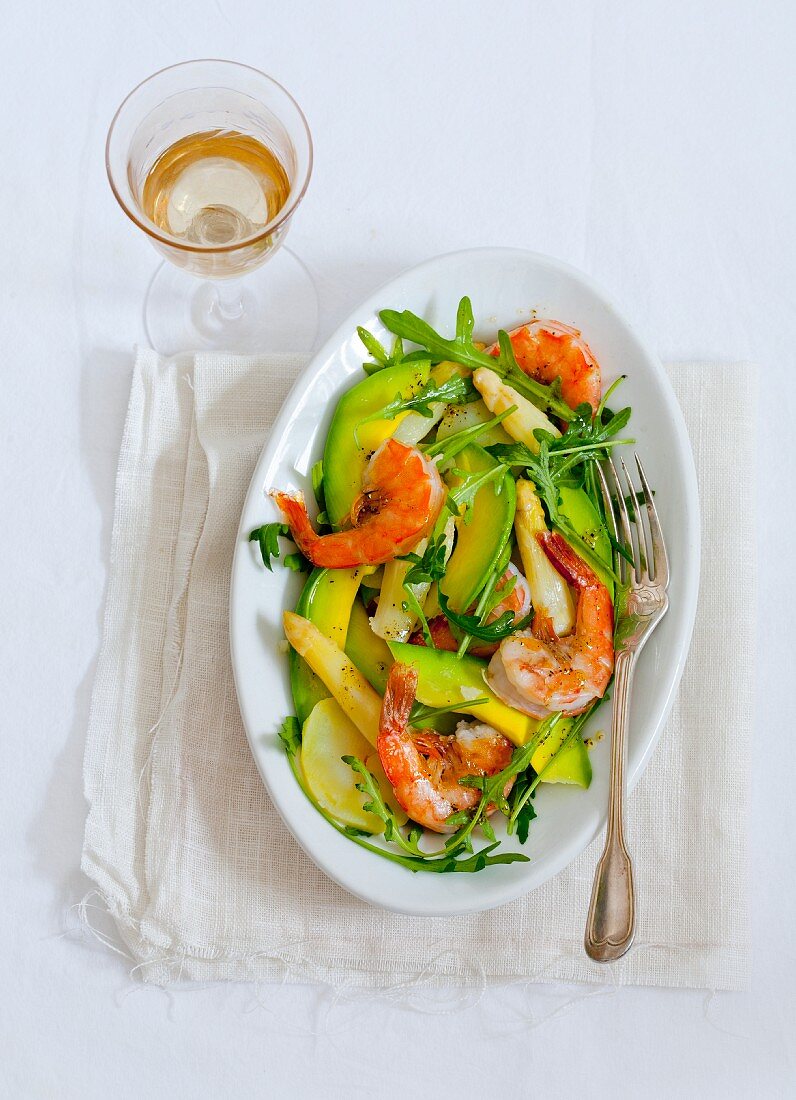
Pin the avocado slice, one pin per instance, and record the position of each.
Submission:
(350, 443)
(326, 600)
(367, 650)
(581, 513)
(572, 766)
(480, 542)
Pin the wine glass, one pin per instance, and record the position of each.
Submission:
(211, 159)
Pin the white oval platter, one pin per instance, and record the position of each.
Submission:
(505, 286)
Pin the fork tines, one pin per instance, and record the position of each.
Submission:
(642, 542)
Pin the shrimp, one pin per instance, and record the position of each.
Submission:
(547, 350)
(517, 600)
(424, 767)
(402, 496)
(535, 671)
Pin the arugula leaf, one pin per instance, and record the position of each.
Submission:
(473, 625)
(631, 500)
(525, 816)
(587, 438)
(462, 349)
(520, 815)
(268, 538)
(376, 349)
(375, 804)
(621, 548)
(381, 358)
(426, 569)
(522, 809)
(492, 787)
(624, 623)
(488, 599)
(290, 734)
(472, 864)
(458, 818)
(548, 475)
(416, 859)
(514, 454)
(460, 499)
(433, 563)
(297, 563)
(456, 391)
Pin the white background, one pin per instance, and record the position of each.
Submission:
(651, 144)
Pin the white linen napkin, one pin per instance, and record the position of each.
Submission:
(188, 853)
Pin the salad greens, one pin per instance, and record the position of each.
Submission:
(558, 473)
(455, 391)
(462, 349)
(459, 500)
(381, 358)
(267, 538)
(567, 460)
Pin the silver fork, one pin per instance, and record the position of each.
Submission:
(612, 913)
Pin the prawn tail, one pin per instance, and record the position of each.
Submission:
(570, 565)
(295, 513)
(398, 698)
(543, 628)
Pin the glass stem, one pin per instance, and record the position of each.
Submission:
(229, 299)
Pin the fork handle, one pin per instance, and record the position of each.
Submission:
(612, 913)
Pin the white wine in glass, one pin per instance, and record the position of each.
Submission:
(211, 159)
(214, 188)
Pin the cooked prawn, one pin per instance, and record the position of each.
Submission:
(402, 495)
(536, 671)
(547, 350)
(424, 767)
(518, 600)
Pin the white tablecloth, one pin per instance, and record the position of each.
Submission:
(649, 144)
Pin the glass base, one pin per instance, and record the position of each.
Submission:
(272, 309)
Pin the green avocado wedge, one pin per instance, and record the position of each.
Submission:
(326, 600)
(367, 650)
(581, 513)
(573, 766)
(350, 442)
(480, 542)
